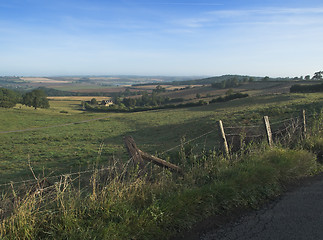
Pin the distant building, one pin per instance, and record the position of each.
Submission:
(106, 102)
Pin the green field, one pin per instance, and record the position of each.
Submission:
(119, 202)
(62, 149)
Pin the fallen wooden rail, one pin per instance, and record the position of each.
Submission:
(138, 156)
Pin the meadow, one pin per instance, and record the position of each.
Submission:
(106, 197)
(60, 149)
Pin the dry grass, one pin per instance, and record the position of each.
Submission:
(42, 80)
(79, 98)
(100, 89)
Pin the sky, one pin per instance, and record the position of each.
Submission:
(161, 37)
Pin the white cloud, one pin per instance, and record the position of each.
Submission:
(273, 16)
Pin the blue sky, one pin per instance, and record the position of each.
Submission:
(156, 37)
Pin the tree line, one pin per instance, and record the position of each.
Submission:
(297, 88)
(35, 98)
(232, 82)
(154, 101)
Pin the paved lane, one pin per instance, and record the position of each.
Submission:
(297, 215)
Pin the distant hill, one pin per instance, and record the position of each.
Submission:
(51, 92)
(217, 79)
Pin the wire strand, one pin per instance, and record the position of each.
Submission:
(245, 126)
(168, 150)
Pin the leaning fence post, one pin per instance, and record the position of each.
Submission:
(304, 123)
(268, 131)
(134, 151)
(224, 142)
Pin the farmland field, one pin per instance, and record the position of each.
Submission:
(43, 80)
(59, 149)
(78, 98)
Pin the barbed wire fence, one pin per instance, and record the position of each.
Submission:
(280, 129)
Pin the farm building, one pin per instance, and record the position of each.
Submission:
(106, 102)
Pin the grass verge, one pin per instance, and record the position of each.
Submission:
(155, 206)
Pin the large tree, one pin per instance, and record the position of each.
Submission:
(8, 98)
(36, 98)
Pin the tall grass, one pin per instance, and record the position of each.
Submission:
(120, 205)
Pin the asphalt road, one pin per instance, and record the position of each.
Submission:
(298, 214)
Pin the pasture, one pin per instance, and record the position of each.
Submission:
(59, 149)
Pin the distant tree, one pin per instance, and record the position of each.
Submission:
(129, 102)
(93, 101)
(251, 79)
(8, 98)
(116, 100)
(36, 98)
(198, 95)
(265, 79)
(229, 92)
(159, 89)
(234, 82)
(318, 75)
(307, 77)
(231, 82)
(127, 92)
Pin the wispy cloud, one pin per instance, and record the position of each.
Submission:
(285, 16)
(193, 22)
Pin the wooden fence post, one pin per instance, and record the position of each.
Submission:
(134, 151)
(304, 123)
(268, 131)
(224, 142)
